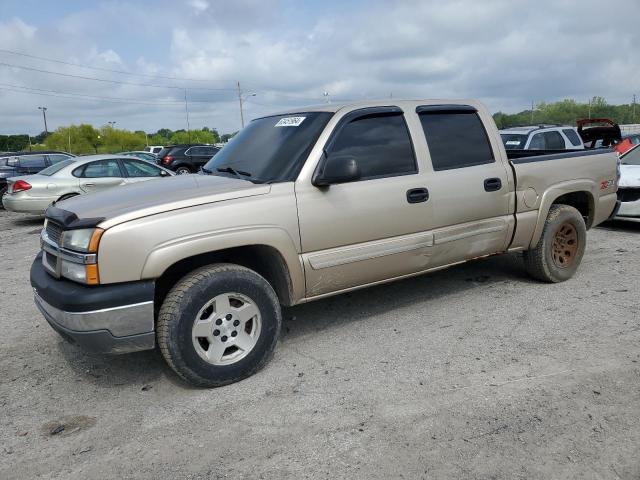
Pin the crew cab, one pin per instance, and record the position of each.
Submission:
(302, 205)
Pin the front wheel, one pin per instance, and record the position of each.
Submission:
(218, 325)
(3, 190)
(559, 251)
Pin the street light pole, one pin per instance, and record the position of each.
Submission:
(111, 124)
(44, 115)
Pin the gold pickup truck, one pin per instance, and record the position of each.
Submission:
(299, 206)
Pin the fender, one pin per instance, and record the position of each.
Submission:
(555, 191)
(168, 253)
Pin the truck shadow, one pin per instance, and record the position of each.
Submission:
(358, 305)
(143, 369)
(621, 225)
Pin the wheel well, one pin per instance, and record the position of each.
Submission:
(581, 201)
(67, 195)
(263, 259)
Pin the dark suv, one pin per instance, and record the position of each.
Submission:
(184, 159)
(13, 164)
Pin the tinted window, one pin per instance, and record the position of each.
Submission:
(137, 168)
(32, 161)
(203, 151)
(164, 151)
(271, 149)
(537, 142)
(456, 140)
(380, 144)
(513, 141)
(632, 157)
(554, 141)
(573, 137)
(99, 169)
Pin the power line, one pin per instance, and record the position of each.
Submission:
(111, 81)
(100, 68)
(105, 99)
(96, 97)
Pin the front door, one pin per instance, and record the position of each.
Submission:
(99, 175)
(374, 228)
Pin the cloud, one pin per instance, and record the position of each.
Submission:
(507, 53)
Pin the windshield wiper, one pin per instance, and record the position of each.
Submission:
(233, 171)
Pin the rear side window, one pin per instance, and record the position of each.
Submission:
(554, 141)
(380, 144)
(456, 139)
(32, 161)
(572, 136)
(99, 169)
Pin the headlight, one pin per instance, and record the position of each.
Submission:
(82, 240)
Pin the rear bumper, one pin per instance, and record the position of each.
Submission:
(116, 318)
(24, 204)
(629, 209)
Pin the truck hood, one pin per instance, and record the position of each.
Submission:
(122, 204)
(629, 176)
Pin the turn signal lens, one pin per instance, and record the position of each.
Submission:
(92, 274)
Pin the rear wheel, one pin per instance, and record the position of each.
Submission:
(183, 171)
(3, 190)
(218, 325)
(559, 251)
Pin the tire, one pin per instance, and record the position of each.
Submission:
(559, 251)
(183, 170)
(195, 323)
(3, 190)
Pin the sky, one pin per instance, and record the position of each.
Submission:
(133, 62)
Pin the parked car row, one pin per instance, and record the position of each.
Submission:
(74, 176)
(186, 158)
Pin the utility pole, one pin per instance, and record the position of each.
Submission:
(589, 108)
(186, 109)
(634, 108)
(531, 112)
(44, 115)
(241, 101)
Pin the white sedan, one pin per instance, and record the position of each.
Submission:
(77, 176)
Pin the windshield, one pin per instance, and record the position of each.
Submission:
(632, 157)
(56, 167)
(514, 141)
(270, 149)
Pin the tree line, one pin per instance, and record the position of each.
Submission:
(86, 139)
(568, 111)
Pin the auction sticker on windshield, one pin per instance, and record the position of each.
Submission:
(290, 121)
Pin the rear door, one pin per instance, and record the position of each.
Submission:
(99, 175)
(200, 155)
(469, 188)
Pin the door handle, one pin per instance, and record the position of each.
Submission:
(417, 195)
(492, 184)
(88, 184)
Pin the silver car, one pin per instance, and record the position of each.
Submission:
(93, 173)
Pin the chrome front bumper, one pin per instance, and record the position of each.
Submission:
(121, 329)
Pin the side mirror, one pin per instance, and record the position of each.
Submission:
(337, 169)
(163, 173)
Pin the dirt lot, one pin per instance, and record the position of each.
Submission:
(473, 372)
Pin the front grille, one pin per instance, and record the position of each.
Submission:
(54, 231)
(629, 194)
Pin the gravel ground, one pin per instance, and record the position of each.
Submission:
(472, 372)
